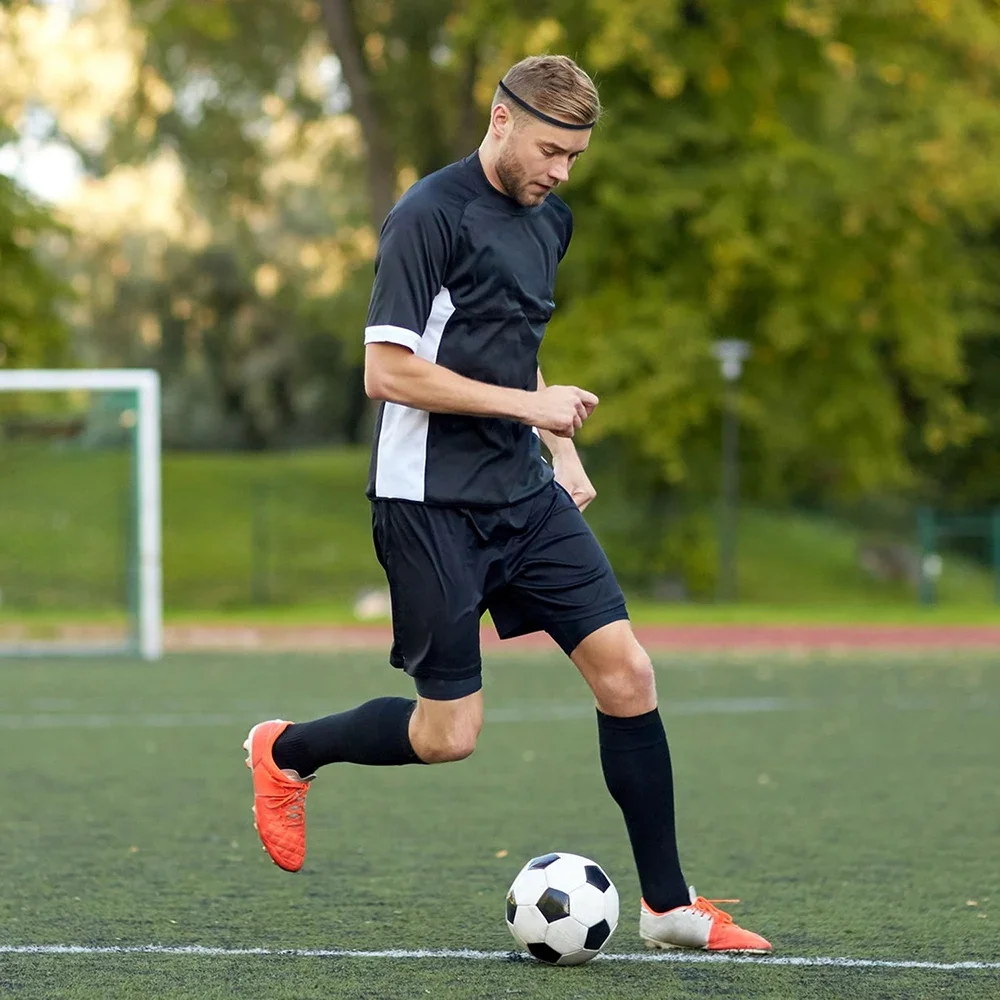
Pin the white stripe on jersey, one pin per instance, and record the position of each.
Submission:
(400, 468)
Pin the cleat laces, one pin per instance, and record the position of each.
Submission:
(293, 804)
(708, 907)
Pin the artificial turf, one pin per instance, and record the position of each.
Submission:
(852, 803)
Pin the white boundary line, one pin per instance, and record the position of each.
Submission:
(484, 956)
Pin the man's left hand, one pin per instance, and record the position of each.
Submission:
(570, 476)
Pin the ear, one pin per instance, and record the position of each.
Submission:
(501, 121)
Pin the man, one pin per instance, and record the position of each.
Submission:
(467, 516)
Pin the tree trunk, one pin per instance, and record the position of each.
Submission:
(347, 44)
(469, 129)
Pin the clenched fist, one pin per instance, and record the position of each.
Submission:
(561, 409)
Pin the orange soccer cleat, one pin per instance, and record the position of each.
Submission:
(698, 925)
(279, 798)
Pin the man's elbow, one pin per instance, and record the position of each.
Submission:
(378, 366)
(386, 369)
(375, 383)
(384, 383)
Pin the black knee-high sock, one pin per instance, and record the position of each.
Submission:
(376, 733)
(637, 771)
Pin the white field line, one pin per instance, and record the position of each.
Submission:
(524, 711)
(485, 956)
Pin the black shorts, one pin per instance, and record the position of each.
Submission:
(535, 566)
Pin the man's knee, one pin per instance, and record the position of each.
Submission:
(444, 731)
(442, 748)
(628, 686)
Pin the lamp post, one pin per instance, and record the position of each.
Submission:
(730, 355)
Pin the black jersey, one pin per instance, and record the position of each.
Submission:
(464, 278)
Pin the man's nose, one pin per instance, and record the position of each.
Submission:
(559, 171)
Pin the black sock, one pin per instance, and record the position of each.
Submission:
(376, 733)
(637, 771)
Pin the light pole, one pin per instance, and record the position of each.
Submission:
(730, 355)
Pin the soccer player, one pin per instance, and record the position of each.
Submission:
(466, 514)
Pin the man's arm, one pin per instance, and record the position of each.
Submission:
(566, 464)
(410, 267)
(394, 373)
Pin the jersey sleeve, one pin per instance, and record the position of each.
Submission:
(410, 264)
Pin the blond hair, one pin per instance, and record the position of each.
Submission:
(554, 85)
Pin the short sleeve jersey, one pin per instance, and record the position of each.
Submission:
(464, 278)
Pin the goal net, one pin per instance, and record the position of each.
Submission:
(80, 548)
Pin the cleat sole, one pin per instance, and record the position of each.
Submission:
(666, 946)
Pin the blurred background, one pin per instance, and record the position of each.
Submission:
(784, 284)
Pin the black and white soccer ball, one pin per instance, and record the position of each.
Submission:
(563, 908)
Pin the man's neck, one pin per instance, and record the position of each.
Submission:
(487, 160)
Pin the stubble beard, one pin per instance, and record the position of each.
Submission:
(512, 176)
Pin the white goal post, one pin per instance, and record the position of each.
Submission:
(147, 628)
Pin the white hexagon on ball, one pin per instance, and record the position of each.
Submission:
(529, 925)
(567, 873)
(588, 904)
(528, 886)
(567, 936)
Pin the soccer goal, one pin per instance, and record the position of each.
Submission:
(80, 521)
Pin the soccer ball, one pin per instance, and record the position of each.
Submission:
(563, 908)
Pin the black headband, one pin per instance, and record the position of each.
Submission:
(540, 114)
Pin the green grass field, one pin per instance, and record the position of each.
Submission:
(853, 805)
(271, 533)
(284, 539)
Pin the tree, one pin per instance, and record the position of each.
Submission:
(32, 331)
(801, 176)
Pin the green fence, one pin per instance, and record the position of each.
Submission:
(974, 534)
(238, 530)
(252, 530)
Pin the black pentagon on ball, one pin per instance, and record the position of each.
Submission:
(543, 862)
(553, 904)
(597, 878)
(597, 935)
(544, 953)
(511, 907)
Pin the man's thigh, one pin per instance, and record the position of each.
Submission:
(559, 579)
(435, 592)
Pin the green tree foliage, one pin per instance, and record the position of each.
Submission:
(251, 313)
(32, 331)
(815, 178)
(802, 176)
(248, 354)
(238, 93)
